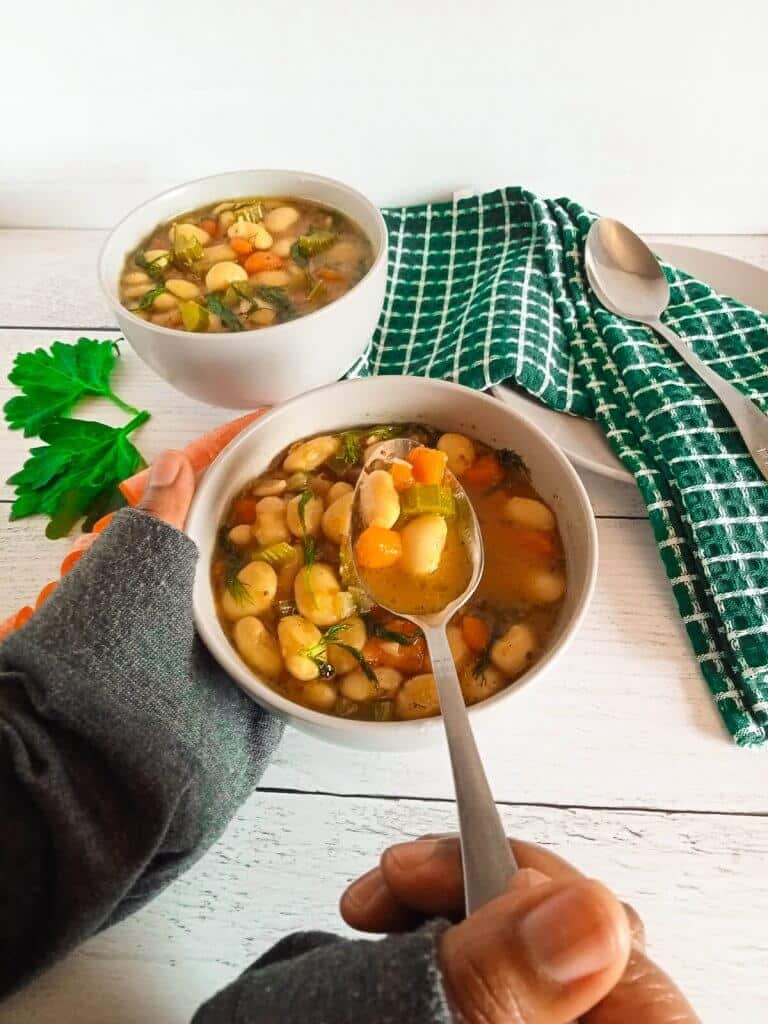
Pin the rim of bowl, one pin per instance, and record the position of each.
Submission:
(286, 708)
(381, 253)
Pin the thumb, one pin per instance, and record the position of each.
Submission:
(543, 953)
(170, 489)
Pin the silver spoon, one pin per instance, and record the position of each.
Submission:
(627, 279)
(488, 862)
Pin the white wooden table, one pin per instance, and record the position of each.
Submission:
(617, 760)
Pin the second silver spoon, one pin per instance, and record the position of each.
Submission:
(627, 279)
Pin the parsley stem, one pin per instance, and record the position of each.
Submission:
(119, 402)
(137, 421)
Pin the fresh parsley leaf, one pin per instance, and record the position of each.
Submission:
(153, 267)
(225, 314)
(53, 382)
(110, 500)
(79, 461)
(149, 297)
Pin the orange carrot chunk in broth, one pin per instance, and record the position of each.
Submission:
(428, 465)
(240, 246)
(485, 471)
(402, 476)
(540, 543)
(475, 632)
(259, 261)
(329, 274)
(378, 548)
(243, 512)
(210, 225)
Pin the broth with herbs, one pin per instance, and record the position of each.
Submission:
(290, 600)
(243, 264)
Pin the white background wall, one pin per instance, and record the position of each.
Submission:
(655, 110)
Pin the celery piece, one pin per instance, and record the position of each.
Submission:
(428, 499)
(317, 241)
(383, 711)
(276, 554)
(194, 316)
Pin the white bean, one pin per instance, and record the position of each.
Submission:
(256, 234)
(295, 635)
(281, 218)
(257, 647)
(262, 317)
(183, 234)
(241, 535)
(271, 278)
(355, 636)
(313, 513)
(529, 513)
(136, 277)
(226, 220)
(358, 687)
(310, 454)
(319, 597)
(182, 289)
(423, 540)
(544, 586)
(481, 685)
(164, 302)
(259, 582)
(417, 697)
(217, 254)
(135, 291)
(379, 501)
(270, 526)
(337, 518)
(460, 452)
(282, 246)
(268, 487)
(158, 257)
(221, 275)
(512, 652)
(320, 695)
(337, 490)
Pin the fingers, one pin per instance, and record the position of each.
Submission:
(425, 877)
(170, 489)
(646, 994)
(544, 954)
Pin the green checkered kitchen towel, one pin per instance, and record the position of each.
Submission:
(492, 288)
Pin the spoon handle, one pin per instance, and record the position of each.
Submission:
(487, 859)
(751, 423)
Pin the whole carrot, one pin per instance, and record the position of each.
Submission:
(201, 452)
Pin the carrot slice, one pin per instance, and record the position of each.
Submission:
(428, 465)
(485, 471)
(101, 524)
(241, 246)
(46, 592)
(475, 632)
(210, 225)
(76, 552)
(402, 476)
(329, 274)
(201, 452)
(540, 543)
(23, 615)
(258, 261)
(378, 548)
(243, 512)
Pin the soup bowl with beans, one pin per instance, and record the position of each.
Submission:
(286, 609)
(250, 287)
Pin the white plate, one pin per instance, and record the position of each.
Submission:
(582, 440)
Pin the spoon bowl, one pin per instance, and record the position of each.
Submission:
(488, 862)
(627, 279)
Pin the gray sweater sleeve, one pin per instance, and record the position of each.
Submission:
(124, 749)
(124, 752)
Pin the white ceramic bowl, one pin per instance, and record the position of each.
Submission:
(392, 400)
(250, 368)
